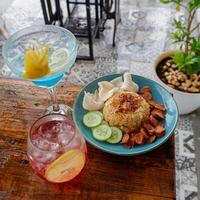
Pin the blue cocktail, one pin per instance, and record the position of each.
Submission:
(62, 52)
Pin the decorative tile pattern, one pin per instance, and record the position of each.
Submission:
(84, 72)
(144, 32)
(186, 175)
(189, 193)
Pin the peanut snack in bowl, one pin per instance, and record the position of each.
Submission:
(126, 115)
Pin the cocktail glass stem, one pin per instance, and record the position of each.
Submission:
(54, 101)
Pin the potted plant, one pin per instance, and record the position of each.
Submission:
(179, 71)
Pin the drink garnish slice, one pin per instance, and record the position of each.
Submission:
(66, 167)
(36, 63)
(58, 58)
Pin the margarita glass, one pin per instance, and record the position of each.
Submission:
(62, 52)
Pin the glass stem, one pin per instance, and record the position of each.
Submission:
(54, 101)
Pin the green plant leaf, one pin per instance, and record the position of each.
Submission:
(179, 59)
(188, 60)
(195, 46)
(181, 31)
(194, 4)
(191, 69)
(187, 63)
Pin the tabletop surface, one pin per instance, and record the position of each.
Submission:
(105, 176)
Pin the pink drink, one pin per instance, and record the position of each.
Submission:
(56, 149)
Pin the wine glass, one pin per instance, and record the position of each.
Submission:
(56, 150)
(62, 52)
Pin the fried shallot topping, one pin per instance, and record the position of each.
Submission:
(129, 102)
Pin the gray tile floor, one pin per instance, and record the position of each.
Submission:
(142, 35)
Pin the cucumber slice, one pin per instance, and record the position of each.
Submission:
(102, 132)
(102, 123)
(92, 119)
(98, 113)
(116, 136)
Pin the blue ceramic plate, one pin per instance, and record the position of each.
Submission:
(160, 95)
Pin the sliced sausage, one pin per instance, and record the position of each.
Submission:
(158, 114)
(145, 89)
(158, 106)
(125, 138)
(151, 139)
(159, 130)
(138, 138)
(153, 120)
(148, 127)
(147, 96)
(143, 132)
(152, 104)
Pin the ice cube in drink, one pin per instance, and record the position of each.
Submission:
(56, 149)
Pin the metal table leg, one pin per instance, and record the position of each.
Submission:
(68, 8)
(89, 29)
(59, 12)
(101, 9)
(97, 17)
(108, 13)
(117, 19)
(44, 10)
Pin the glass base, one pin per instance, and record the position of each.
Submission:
(64, 110)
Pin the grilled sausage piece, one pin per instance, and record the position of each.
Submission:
(153, 120)
(138, 138)
(143, 132)
(155, 105)
(147, 96)
(125, 138)
(158, 114)
(145, 89)
(148, 127)
(151, 139)
(159, 130)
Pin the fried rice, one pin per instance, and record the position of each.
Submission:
(126, 110)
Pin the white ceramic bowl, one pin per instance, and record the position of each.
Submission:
(186, 102)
